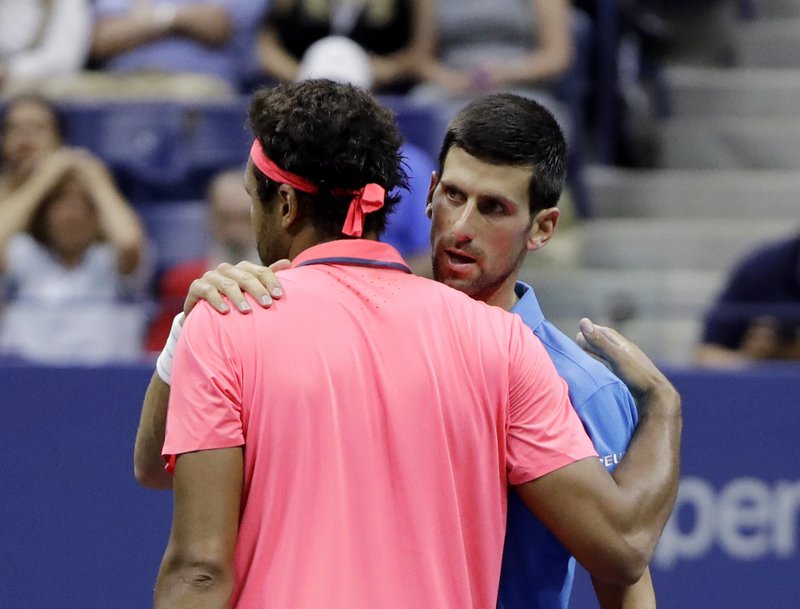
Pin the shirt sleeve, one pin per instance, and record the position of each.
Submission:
(544, 432)
(609, 416)
(205, 403)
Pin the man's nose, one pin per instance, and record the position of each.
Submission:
(464, 225)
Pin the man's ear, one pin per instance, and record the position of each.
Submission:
(288, 206)
(431, 188)
(543, 227)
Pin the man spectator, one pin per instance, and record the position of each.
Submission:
(756, 318)
(231, 241)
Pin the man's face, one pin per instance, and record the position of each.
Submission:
(271, 239)
(30, 134)
(230, 216)
(481, 226)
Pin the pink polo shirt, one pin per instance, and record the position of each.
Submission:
(382, 416)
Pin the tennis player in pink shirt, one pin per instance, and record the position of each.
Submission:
(351, 448)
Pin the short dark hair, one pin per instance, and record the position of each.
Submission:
(335, 135)
(508, 129)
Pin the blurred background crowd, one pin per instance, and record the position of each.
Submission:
(123, 140)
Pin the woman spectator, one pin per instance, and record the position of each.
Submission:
(72, 253)
(397, 35)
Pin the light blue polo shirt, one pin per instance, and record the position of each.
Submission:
(537, 570)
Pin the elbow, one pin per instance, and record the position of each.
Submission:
(625, 566)
(204, 572)
(151, 477)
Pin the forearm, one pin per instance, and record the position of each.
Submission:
(120, 34)
(710, 354)
(119, 224)
(274, 59)
(206, 24)
(648, 475)
(17, 210)
(637, 596)
(147, 461)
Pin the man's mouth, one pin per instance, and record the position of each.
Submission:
(458, 259)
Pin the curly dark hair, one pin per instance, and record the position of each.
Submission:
(335, 135)
(507, 129)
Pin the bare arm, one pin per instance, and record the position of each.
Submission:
(197, 569)
(206, 24)
(552, 55)
(406, 62)
(273, 57)
(118, 222)
(258, 281)
(638, 596)
(611, 525)
(148, 465)
(17, 210)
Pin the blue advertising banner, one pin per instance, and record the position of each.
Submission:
(733, 537)
(79, 533)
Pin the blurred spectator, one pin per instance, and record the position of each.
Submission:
(232, 240)
(397, 36)
(41, 39)
(757, 315)
(408, 226)
(73, 267)
(183, 48)
(30, 131)
(507, 44)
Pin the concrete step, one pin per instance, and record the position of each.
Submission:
(667, 244)
(745, 92)
(688, 193)
(620, 294)
(730, 143)
(768, 43)
(660, 311)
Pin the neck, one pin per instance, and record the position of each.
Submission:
(505, 297)
(309, 238)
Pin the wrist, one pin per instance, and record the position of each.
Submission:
(164, 361)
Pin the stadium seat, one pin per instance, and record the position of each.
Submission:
(177, 229)
(138, 141)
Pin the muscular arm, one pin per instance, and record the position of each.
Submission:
(148, 466)
(611, 525)
(197, 569)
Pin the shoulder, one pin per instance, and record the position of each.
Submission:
(590, 381)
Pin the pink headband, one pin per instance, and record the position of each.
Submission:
(365, 200)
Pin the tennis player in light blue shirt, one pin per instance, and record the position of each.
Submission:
(537, 570)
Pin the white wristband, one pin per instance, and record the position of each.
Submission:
(164, 361)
